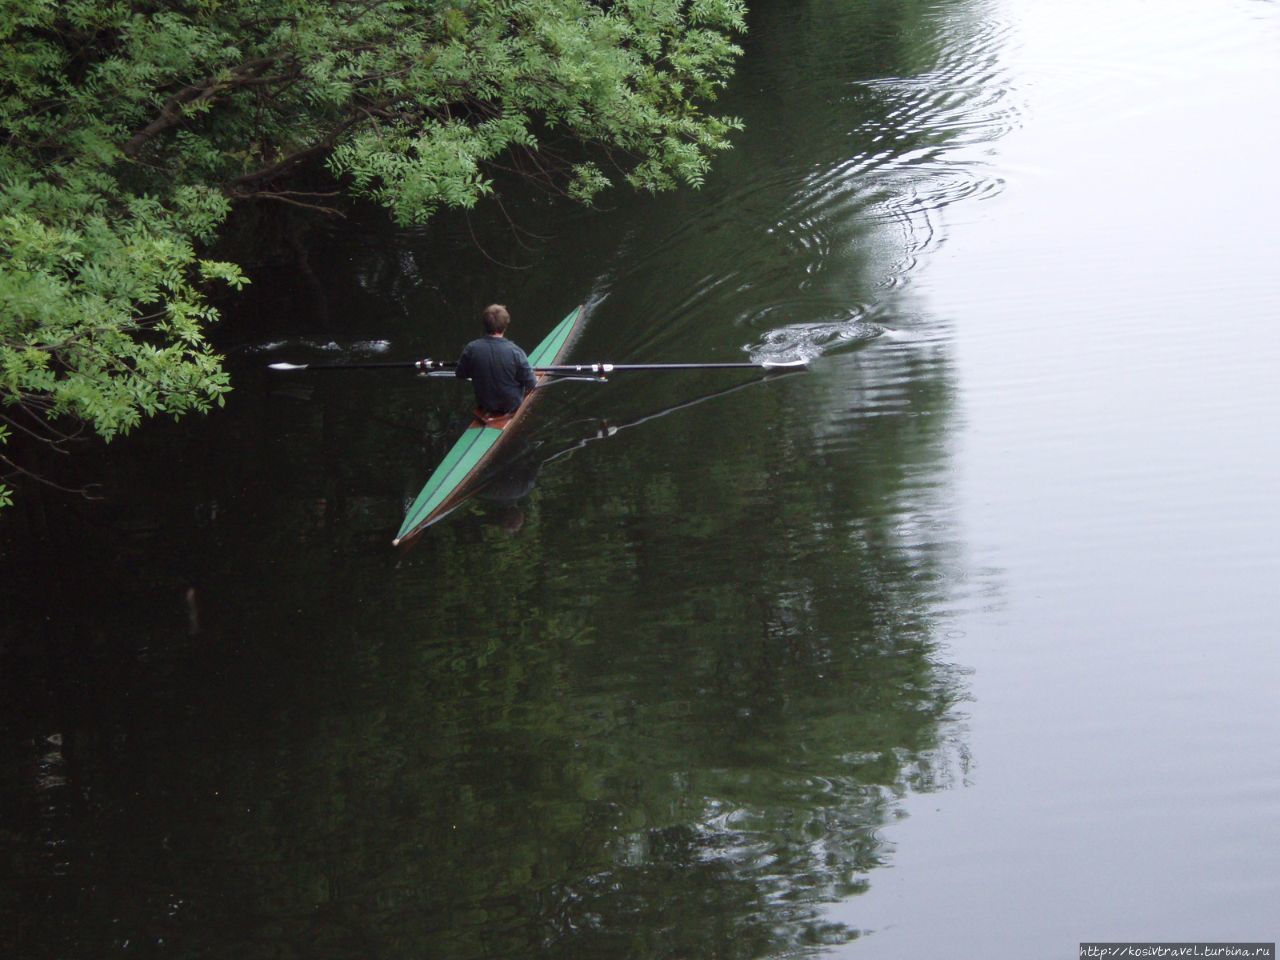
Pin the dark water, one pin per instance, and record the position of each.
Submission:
(961, 642)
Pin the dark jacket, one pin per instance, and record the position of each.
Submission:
(499, 371)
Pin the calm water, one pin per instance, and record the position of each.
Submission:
(961, 643)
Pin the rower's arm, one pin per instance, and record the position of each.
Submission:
(527, 376)
(463, 369)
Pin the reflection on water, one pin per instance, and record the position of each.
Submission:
(602, 746)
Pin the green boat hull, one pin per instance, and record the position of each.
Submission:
(466, 462)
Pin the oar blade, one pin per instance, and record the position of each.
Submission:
(783, 364)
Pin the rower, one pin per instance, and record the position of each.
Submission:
(498, 369)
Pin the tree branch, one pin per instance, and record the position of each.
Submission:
(241, 186)
(245, 74)
(287, 196)
(53, 437)
(83, 491)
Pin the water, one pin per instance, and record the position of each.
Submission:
(960, 642)
(1113, 471)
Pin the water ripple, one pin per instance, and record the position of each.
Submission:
(921, 145)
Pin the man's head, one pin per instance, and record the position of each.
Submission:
(496, 319)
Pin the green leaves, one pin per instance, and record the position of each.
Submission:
(620, 80)
(102, 309)
(127, 129)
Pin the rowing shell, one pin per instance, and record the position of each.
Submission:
(475, 450)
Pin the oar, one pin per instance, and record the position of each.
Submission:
(619, 367)
(375, 365)
(560, 369)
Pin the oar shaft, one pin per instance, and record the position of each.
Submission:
(601, 368)
(430, 366)
(621, 367)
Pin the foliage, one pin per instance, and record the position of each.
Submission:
(128, 130)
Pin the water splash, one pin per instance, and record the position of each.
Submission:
(355, 348)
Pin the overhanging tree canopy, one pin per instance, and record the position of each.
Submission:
(128, 129)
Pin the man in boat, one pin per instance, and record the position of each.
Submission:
(498, 370)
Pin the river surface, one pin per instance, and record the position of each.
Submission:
(962, 643)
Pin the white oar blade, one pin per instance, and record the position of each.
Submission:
(287, 366)
(780, 364)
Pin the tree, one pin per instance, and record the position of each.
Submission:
(128, 131)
